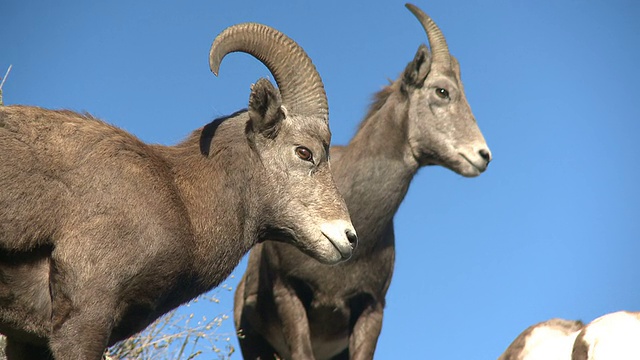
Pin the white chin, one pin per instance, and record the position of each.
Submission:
(327, 256)
(470, 172)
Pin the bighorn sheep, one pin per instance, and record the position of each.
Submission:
(612, 336)
(288, 303)
(549, 340)
(100, 234)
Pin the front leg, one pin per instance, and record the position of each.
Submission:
(364, 337)
(295, 324)
(81, 321)
(253, 345)
(84, 290)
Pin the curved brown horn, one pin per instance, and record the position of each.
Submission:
(298, 80)
(439, 48)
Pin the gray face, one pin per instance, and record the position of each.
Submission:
(306, 207)
(288, 129)
(442, 129)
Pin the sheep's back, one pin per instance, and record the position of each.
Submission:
(59, 168)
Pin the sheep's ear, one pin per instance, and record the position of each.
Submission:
(265, 109)
(418, 68)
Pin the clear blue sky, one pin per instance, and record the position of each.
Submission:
(552, 228)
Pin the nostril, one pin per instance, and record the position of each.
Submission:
(352, 237)
(485, 154)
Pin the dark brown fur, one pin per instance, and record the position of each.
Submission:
(580, 348)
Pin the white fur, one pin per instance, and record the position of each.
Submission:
(614, 336)
(546, 343)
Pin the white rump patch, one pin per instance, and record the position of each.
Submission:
(614, 336)
(546, 343)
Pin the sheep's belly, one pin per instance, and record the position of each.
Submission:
(328, 348)
(329, 321)
(25, 311)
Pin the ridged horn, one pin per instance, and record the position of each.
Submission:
(439, 49)
(298, 80)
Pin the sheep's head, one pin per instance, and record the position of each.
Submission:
(288, 129)
(442, 128)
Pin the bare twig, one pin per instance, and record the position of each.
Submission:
(5, 76)
(176, 337)
(2, 83)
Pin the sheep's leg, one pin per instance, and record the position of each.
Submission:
(82, 309)
(253, 345)
(238, 303)
(21, 351)
(81, 330)
(295, 324)
(363, 339)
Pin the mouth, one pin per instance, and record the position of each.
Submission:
(478, 168)
(345, 252)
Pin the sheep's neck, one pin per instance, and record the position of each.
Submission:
(214, 190)
(374, 170)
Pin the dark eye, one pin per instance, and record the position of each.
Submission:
(304, 153)
(442, 93)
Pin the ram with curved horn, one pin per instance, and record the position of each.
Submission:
(288, 303)
(100, 233)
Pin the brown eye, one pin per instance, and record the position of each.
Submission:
(304, 153)
(442, 93)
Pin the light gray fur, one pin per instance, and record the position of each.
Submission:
(288, 303)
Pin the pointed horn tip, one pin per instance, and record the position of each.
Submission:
(214, 61)
(215, 70)
(414, 9)
(410, 6)
(418, 12)
(215, 53)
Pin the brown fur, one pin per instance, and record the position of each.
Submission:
(379, 99)
(580, 348)
(100, 233)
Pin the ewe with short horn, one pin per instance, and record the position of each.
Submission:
(100, 233)
(289, 304)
